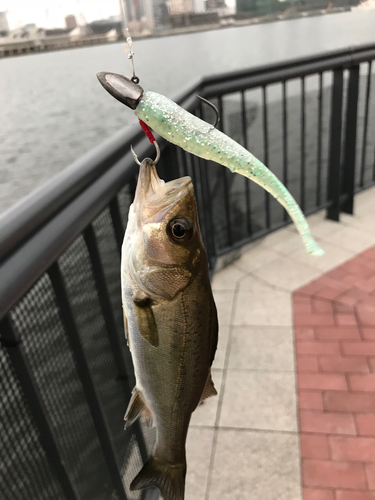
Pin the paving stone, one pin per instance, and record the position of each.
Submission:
(366, 424)
(348, 364)
(264, 466)
(205, 414)
(333, 256)
(262, 348)
(322, 381)
(327, 422)
(341, 401)
(226, 279)
(286, 273)
(255, 256)
(325, 473)
(310, 400)
(314, 446)
(317, 494)
(263, 307)
(355, 495)
(221, 350)
(351, 239)
(355, 449)
(259, 400)
(224, 303)
(198, 454)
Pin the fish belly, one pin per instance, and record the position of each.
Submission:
(171, 376)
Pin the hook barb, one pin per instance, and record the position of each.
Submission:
(212, 106)
(135, 156)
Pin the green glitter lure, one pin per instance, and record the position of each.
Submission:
(196, 136)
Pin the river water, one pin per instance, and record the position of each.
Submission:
(52, 109)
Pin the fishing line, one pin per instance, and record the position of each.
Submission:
(129, 41)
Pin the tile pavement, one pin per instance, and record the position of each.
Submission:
(246, 443)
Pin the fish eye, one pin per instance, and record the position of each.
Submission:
(180, 230)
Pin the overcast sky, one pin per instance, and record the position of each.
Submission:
(51, 13)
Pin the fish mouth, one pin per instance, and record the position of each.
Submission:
(154, 197)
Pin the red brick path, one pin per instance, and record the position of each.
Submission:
(334, 318)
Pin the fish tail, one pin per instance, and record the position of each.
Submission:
(168, 478)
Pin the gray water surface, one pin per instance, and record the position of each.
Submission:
(52, 109)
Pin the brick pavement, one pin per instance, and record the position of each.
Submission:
(334, 318)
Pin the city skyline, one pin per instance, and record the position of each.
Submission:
(51, 13)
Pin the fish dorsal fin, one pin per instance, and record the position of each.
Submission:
(146, 321)
(135, 408)
(166, 282)
(209, 389)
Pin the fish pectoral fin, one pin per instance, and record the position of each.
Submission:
(136, 407)
(146, 321)
(209, 389)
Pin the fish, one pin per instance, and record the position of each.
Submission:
(196, 136)
(170, 321)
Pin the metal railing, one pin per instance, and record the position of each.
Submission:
(65, 371)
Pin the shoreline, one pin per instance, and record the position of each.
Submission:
(52, 44)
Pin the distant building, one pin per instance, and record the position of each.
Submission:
(70, 22)
(246, 6)
(180, 6)
(161, 14)
(4, 26)
(104, 26)
(215, 4)
(263, 7)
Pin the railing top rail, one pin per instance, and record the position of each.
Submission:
(293, 68)
(353, 50)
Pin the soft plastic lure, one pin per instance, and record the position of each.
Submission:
(196, 136)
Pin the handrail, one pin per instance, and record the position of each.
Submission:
(354, 51)
(267, 74)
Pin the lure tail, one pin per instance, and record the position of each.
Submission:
(168, 478)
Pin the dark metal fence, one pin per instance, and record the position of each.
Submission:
(65, 371)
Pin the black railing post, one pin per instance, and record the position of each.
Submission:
(303, 145)
(319, 139)
(348, 174)
(13, 345)
(266, 152)
(365, 126)
(333, 194)
(244, 126)
(84, 374)
(118, 226)
(285, 142)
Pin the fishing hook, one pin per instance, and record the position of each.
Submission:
(157, 154)
(213, 107)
